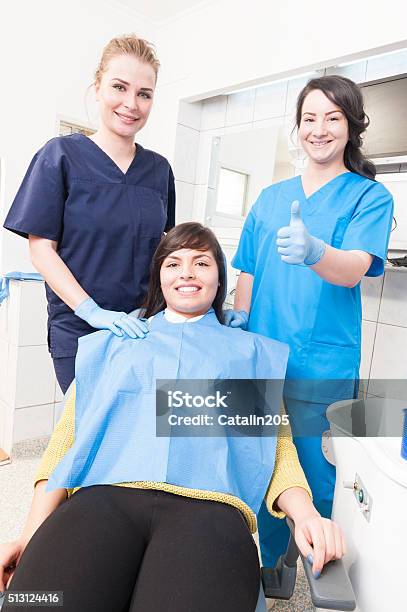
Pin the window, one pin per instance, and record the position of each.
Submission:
(232, 189)
(66, 127)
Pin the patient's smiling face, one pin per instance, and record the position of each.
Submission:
(189, 281)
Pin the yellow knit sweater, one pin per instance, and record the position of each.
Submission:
(287, 470)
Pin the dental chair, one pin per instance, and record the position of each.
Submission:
(332, 591)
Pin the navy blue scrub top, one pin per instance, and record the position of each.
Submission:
(107, 225)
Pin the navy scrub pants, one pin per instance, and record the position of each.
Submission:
(65, 371)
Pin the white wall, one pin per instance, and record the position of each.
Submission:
(49, 51)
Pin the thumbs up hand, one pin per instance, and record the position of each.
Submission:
(295, 214)
(295, 244)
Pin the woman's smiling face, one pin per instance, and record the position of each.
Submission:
(189, 281)
(323, 131)
(125, 94)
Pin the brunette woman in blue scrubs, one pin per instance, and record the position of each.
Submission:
(94, 209)
(305, 246)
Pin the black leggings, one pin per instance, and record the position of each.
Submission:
(112, 549)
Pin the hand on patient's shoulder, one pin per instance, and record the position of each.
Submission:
(138, 326)
(236, 318)
(119, 323)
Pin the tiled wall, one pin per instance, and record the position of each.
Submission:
(384, 326)
(29, 395)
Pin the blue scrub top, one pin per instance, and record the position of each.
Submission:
(107, 224)
(321, 322)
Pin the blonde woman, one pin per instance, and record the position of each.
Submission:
(94, 209)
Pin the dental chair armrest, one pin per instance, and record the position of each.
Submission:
(333, 590)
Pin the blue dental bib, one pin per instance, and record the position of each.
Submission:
(115, 415)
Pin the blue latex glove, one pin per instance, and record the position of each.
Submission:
(117, 322)
(236, 318)
(295, 244)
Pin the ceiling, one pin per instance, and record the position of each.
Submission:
(160, 11)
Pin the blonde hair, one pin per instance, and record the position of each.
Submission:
(128, 44)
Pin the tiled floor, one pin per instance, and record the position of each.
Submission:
(16, 487)
(301, 600)
(16, 480)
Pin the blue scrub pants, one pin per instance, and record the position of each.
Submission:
(273, 532)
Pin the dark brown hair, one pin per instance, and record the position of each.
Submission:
(184, 236)
(348, 97)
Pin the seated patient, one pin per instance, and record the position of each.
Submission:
(124, 520)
